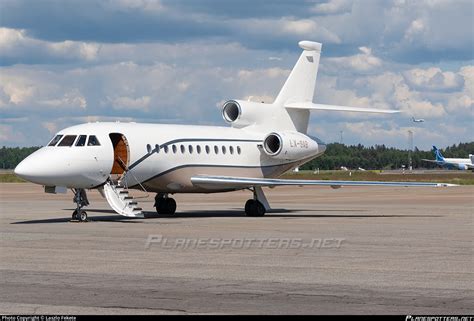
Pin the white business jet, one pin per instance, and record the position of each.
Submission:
(262, 142)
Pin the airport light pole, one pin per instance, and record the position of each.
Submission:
(410, 149)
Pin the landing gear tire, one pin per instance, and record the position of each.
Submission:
(83, 216)
(166, 206)
(254, 208)
(79, 215)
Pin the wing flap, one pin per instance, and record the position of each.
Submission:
(313, 106)
(243, 182)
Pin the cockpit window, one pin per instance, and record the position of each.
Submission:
(93, 141)
(55, 140)
(81, 141)
(68, 140)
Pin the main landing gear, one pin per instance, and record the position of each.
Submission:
(258, 205)
(80, 198)
(254, 208)
(164, 205)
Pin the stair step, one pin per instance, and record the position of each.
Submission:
(121, 201)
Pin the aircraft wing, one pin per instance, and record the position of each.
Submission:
(243, 182)
(429, 160)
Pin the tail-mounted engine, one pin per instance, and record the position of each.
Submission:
(240, 113)
(290, 145)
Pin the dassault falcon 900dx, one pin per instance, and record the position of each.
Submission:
(262, 142)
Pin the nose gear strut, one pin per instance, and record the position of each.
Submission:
(80, 198)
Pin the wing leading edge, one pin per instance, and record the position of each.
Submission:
(242, 182)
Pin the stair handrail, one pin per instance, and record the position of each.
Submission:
(127, 171)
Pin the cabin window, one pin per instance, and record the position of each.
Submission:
(208, 150)
(238, 150)
(216, 149)
(68, 140)
(148, 148)
(55, 140)
(174, 149)
(166, 149)
(224, 150)
(190, 147)
(231, 150)
(198, 149)
(81, 141)
(157, 148)
(93, 141)
(183, 149)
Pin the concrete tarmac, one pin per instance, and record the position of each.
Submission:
(320, 251)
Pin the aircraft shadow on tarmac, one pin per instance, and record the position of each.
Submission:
(237, 213)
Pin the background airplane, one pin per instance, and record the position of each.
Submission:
(419, 120)
(452, 163)
(263, 141)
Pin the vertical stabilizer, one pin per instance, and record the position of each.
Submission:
(438, 155)
(299, 87)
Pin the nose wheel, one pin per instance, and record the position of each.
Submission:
(80, 198)
(80, 216)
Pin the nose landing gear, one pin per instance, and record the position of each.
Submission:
(80, 198)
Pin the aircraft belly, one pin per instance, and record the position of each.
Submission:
(179, 180)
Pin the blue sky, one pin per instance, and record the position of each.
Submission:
(68, 62)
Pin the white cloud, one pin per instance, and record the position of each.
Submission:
(144, 5)
(124, 102)
(332, 7)
(433, 78)
(15, 44)
(363, 62)
(70, 99)
(297, 29)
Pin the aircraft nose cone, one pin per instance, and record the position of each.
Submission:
(25, 169)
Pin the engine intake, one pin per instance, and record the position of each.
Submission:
(241, 113)
(231, 111)
(272, 144)
(290, 145)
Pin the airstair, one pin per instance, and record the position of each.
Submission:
(121, 201)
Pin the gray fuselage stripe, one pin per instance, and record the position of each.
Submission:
(182, 140)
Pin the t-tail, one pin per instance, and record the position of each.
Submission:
(291, 108)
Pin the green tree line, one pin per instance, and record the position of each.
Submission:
(11, 156)
(336, 155)
(381, 157)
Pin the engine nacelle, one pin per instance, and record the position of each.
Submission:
(290, 145)
(241, 113)
(462, 167)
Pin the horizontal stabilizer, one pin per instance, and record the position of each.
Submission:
(312, 106)
(243, 182)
